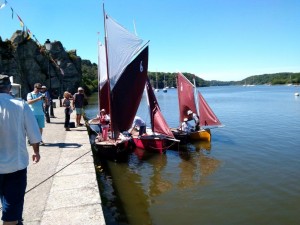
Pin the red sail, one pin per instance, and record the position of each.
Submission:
(207, 116)
(186, 96)
(103, 97)
(158, 122)
(127, 93)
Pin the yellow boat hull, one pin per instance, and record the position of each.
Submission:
(201, 135)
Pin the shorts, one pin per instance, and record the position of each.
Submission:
(142, 130)
(40, 120)
(79, 111)
(12, 191)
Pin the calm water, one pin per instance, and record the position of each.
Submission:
(249, 174)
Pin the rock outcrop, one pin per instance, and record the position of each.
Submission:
(30, 63)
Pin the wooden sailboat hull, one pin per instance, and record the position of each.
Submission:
(152, 143)
(201, 135)
(115, 150)
(118, 150)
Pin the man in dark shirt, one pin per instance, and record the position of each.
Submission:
(78, 100)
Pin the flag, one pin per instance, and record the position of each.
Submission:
(28, 33)
(21, 21)
(12, 12)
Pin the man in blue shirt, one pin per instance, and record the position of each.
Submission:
(35, 99)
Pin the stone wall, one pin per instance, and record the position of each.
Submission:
(30, 63)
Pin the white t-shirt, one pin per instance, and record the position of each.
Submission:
(16, 121)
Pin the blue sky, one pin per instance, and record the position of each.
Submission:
(214, 39)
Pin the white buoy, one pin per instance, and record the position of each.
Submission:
(297, 94)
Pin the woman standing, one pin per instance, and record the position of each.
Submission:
(104, 122)
(68, 110)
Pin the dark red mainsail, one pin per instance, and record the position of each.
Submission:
(186, 96)
(127, 93)
(158, 122)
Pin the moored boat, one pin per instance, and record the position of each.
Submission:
(196, 104)
(159, 138)
(121, 63)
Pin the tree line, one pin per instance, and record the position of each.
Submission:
(162, 79)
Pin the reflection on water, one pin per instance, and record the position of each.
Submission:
(134, 186)
(196, 164)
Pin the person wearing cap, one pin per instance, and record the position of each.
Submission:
(104, 120)
(194, 116)
(185, 126)
(78, 100)
(46, 103)
(36, 100)
(16, 122)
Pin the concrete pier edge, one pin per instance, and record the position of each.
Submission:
(62, 188)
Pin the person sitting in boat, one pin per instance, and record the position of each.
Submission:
(186, 127)
(194, 116)
(140, 124)
(104, 120)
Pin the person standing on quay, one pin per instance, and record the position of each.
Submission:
(36, 100)
(68, 110)
(47, 103)
(78, 100)
(16, 121)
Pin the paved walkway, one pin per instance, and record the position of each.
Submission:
(62, 188)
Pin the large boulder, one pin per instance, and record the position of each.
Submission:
(29, 63)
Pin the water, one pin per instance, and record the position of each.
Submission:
(249, 174)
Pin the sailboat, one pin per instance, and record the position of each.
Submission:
(191, 99)
(165, 88)
(160, 137)
(122, 71)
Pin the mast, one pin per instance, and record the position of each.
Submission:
(148, 102)
(196, 97)
(108, 81)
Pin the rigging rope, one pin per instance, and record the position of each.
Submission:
(54, 174)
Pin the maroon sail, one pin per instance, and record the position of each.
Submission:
(207, 116)
(158, 122)
(185, 96)
(103, 97)
(127, 93)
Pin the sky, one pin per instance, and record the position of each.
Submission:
(226, 40)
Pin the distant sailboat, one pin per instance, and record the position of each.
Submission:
(165, 88)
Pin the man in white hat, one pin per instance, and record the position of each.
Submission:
(194, 116)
